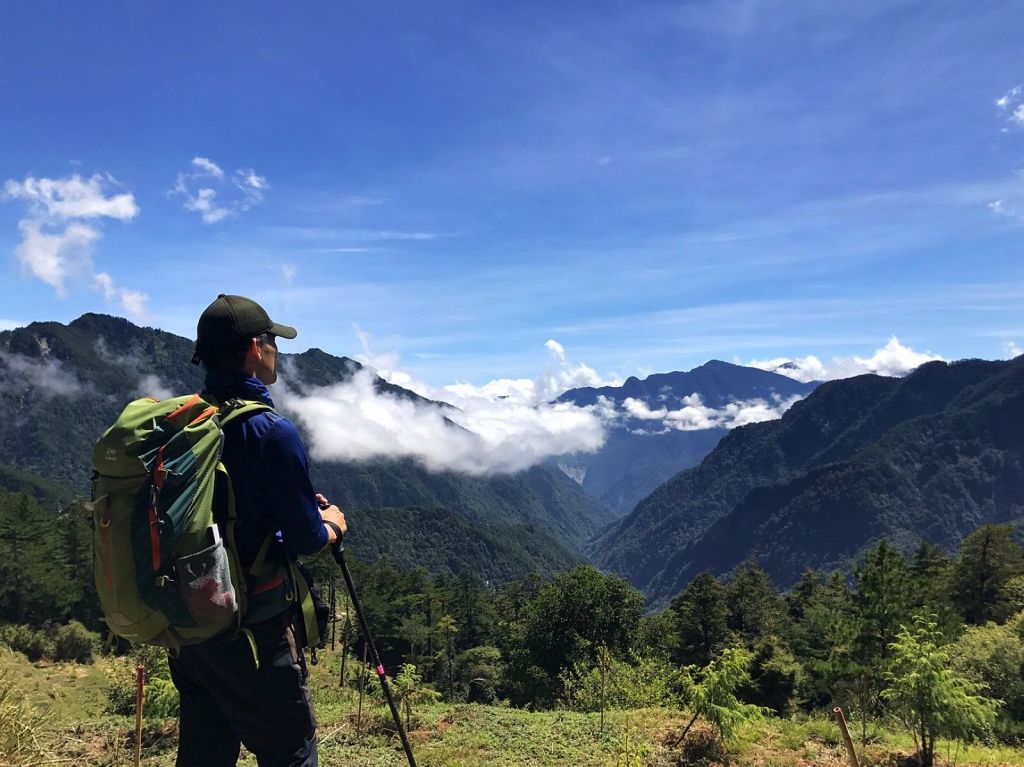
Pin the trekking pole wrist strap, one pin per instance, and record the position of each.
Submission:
(337, 531)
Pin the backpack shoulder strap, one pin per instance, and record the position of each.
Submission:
(235, 408)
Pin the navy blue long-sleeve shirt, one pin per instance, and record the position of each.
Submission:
(269, 472)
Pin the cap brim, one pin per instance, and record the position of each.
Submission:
(283, 331)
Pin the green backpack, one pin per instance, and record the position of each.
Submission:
(163, 512)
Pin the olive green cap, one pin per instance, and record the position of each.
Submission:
(233, 318)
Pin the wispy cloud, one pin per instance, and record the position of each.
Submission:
(57, 243)
(215, 195)
(1011, 108)
(1011, 105)
(893, 359)
(43, 374)
(1011, 349)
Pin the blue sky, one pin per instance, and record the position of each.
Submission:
(650, 184)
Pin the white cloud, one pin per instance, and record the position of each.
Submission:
(508, 425)
(804, 369)
(1000, 208)
(1012, 104)
(1011, 349)
(56, 257)
(551, 383)
(352, 422)
(132, 301)
(288, 273)
(893, 359)
(1011, 96)
(60, 199)
(45, 374)
(56, 246)
(555, 348)
(150, 385)
(207, 167)
(10, 324)
(208, 192)
(694, 415)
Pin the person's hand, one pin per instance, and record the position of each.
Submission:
(331, 513)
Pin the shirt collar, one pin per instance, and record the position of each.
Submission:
(225, 384)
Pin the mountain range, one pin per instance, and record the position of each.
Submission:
(640, 454)
(62, 385)
(930, 456)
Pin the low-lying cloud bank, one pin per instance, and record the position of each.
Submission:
(694, 415)
(353, 422)
(893, 359)
(508, 425)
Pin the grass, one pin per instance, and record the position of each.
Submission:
(63, 706)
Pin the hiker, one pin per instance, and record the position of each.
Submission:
(250, 687)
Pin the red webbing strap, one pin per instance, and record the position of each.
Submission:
(159, 473)
(175, 413)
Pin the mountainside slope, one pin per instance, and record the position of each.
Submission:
(638, 455)
(60, 386)
(796, 491)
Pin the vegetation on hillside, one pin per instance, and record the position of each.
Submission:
(932, 456)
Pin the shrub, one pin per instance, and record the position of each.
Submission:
(160, 694)
(34, 644)
(74, 642)
(648, 683)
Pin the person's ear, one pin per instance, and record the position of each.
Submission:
(255, 349)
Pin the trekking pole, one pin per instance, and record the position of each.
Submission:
(334, 612)
(338, 550)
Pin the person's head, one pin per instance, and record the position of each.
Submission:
(236, 333)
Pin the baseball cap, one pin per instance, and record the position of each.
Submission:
(233, 318)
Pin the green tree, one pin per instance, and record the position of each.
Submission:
(931, 699)
(567, 621)
(478, 672)
(446, 629)
(993, 655)
(711, 694)
(989, 560)
(881, 606)
(756, 609)
(930, 572)
(409, 689)
(702, 616)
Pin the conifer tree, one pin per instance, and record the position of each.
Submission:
(989, 560)
(702, 620)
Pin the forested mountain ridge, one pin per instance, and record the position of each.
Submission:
(640, 455)
(931, 456)
(719, 383)
(62, 385)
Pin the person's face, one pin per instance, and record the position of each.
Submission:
(265, 353)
